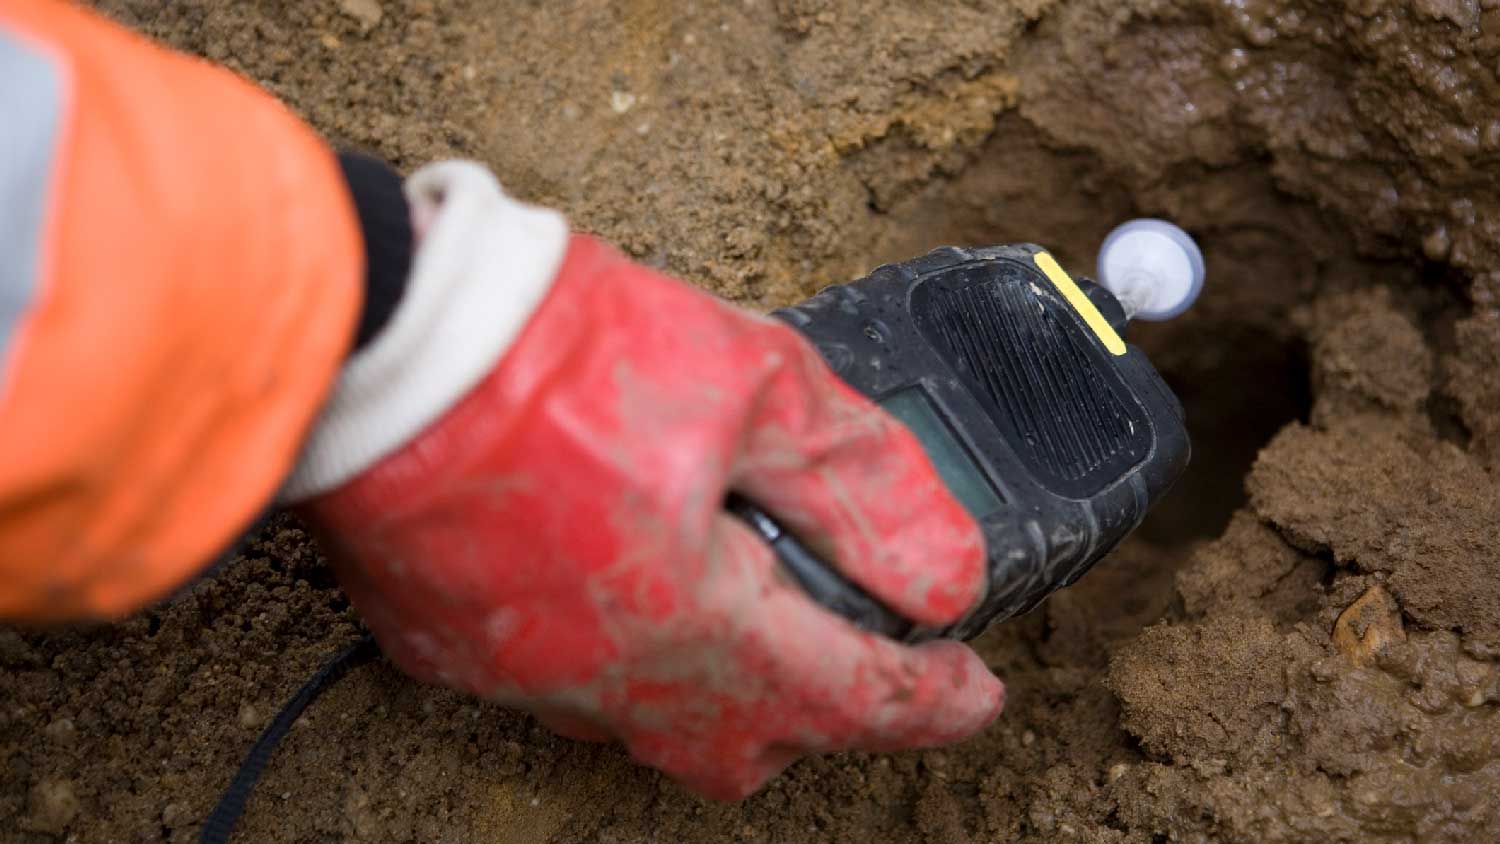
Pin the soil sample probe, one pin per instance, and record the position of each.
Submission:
(1054, 433)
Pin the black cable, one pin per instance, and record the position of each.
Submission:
(220, 823)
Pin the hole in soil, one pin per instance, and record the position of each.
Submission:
(1236, 362)
(1447, 420)
(1240, 385)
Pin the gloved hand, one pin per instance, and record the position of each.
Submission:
(556, 538)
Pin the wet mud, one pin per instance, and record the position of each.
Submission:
(1302, 644)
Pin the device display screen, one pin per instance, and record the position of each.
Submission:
(967, 483)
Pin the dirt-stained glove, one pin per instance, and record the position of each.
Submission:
(555, 536)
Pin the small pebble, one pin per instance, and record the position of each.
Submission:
(61, 731)
(175, 814)
(1369, 624)
(54, 805)
(621, 101)
(367, 12)
(1436, 244)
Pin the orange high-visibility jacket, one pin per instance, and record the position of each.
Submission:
(181, 274)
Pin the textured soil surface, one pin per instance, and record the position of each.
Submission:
(1302, 644)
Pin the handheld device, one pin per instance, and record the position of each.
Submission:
(1054, 434)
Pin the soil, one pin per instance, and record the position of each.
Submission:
(1302, 644)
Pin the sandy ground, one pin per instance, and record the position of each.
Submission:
(1303, 644)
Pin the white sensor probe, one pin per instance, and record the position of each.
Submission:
(1153, 267)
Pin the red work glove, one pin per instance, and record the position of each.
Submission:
(556, 539)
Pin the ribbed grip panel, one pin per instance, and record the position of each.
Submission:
(1021, 346)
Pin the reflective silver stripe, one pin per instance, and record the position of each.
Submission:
(30, 111)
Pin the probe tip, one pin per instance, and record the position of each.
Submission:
(1153, 267)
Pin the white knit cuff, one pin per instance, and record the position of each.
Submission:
(482, 266)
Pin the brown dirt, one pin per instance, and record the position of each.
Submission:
(1210, 682)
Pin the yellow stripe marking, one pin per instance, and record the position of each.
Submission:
(1080, 302)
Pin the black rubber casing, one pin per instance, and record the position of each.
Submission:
(1073, 443)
